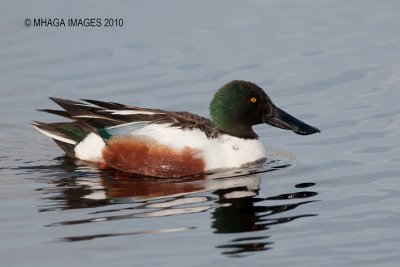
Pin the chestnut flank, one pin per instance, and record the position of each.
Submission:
(146, 156)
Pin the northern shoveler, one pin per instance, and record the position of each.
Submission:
(154, 142)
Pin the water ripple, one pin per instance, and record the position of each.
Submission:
(91, 237)
(230, 196)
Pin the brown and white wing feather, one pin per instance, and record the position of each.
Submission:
(99, 114)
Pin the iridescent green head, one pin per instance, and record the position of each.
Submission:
(239, 105)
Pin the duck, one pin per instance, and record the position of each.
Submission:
(170, 144)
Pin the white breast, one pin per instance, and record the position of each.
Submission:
(223, 152)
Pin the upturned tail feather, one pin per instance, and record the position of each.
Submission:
(66, 134)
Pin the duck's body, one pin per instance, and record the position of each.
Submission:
(170, 150)
(161, 143)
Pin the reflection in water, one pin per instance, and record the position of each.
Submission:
(90, 237)
(231, 196)
(242, 215)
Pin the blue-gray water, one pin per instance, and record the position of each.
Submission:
(330, 199)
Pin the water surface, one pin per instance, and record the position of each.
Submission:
(330, 199)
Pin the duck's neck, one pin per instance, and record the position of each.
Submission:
(234, 128)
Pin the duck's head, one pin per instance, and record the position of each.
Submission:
(239, 105)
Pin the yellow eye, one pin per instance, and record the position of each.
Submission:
(253, 99)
